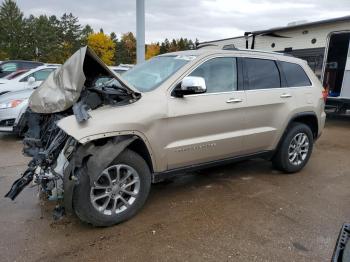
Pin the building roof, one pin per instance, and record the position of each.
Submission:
(276, 29)
(308, 24)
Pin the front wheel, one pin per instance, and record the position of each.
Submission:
(295, 149)
(118, 193)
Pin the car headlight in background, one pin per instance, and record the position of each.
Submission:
(11, 104)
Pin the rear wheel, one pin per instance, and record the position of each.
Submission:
(295, 149)
(117, 194)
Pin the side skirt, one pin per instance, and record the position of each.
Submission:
(161, 176)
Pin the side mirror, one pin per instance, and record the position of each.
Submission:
(191, 85)
(31, 80)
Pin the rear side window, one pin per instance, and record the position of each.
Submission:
(261, 74)
(295, 75)
(9, 67)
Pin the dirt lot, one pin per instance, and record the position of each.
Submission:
(240, 212)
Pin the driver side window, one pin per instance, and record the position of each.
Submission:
(220, 74)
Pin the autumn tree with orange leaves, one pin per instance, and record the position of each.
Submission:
(152, 50)
(103, 46)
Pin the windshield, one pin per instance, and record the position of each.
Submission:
(149, 75)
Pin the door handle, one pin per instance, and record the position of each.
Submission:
(234, 100)
(286, 95)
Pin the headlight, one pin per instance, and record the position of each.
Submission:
(11, 104)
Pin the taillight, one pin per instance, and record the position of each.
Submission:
(324, 95)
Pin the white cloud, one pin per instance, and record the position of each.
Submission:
(202, 19)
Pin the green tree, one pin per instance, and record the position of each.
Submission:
(71, 32)
(126, 49)
(165, 46)
(181, 44)
(44, 36)
(114, 38)
(12, 30)
(85, 32)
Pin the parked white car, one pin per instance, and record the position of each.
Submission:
(12, 108)
(31, 79)
(122, 68)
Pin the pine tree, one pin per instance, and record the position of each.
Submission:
(85, 32)
(71, 31)
(12, 30)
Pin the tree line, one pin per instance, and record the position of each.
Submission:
(53, 39)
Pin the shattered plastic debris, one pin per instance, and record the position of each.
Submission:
(58, 213)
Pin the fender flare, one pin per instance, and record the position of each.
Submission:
(98, 159)
(291, 120)
(302, 114)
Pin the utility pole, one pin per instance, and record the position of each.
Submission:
(140, 31)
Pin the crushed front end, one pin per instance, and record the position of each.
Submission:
(43, 142)
(73, 89)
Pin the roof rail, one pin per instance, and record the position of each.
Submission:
(205, 45)
(255, 51)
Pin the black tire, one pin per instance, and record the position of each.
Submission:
(281, 159)
(84, 208)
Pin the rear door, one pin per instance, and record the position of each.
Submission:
(207, 127)
(305, 97)
(269, 103)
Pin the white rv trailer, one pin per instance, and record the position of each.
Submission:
(323, 44)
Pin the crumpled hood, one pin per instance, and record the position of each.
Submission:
(63, 86)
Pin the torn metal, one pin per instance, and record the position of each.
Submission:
(57, 159)
(62, 89)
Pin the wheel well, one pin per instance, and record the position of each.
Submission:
(310, 120)
(140, 148)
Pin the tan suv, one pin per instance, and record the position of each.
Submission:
(174, 113)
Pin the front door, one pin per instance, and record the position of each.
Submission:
(207, 127)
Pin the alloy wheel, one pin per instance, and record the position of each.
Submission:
(115, 190)
(298, 149)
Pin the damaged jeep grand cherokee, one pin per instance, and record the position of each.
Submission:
(98, 140)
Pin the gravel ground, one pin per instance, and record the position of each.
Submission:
(240, 212)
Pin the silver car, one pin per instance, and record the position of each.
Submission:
(12, 107)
